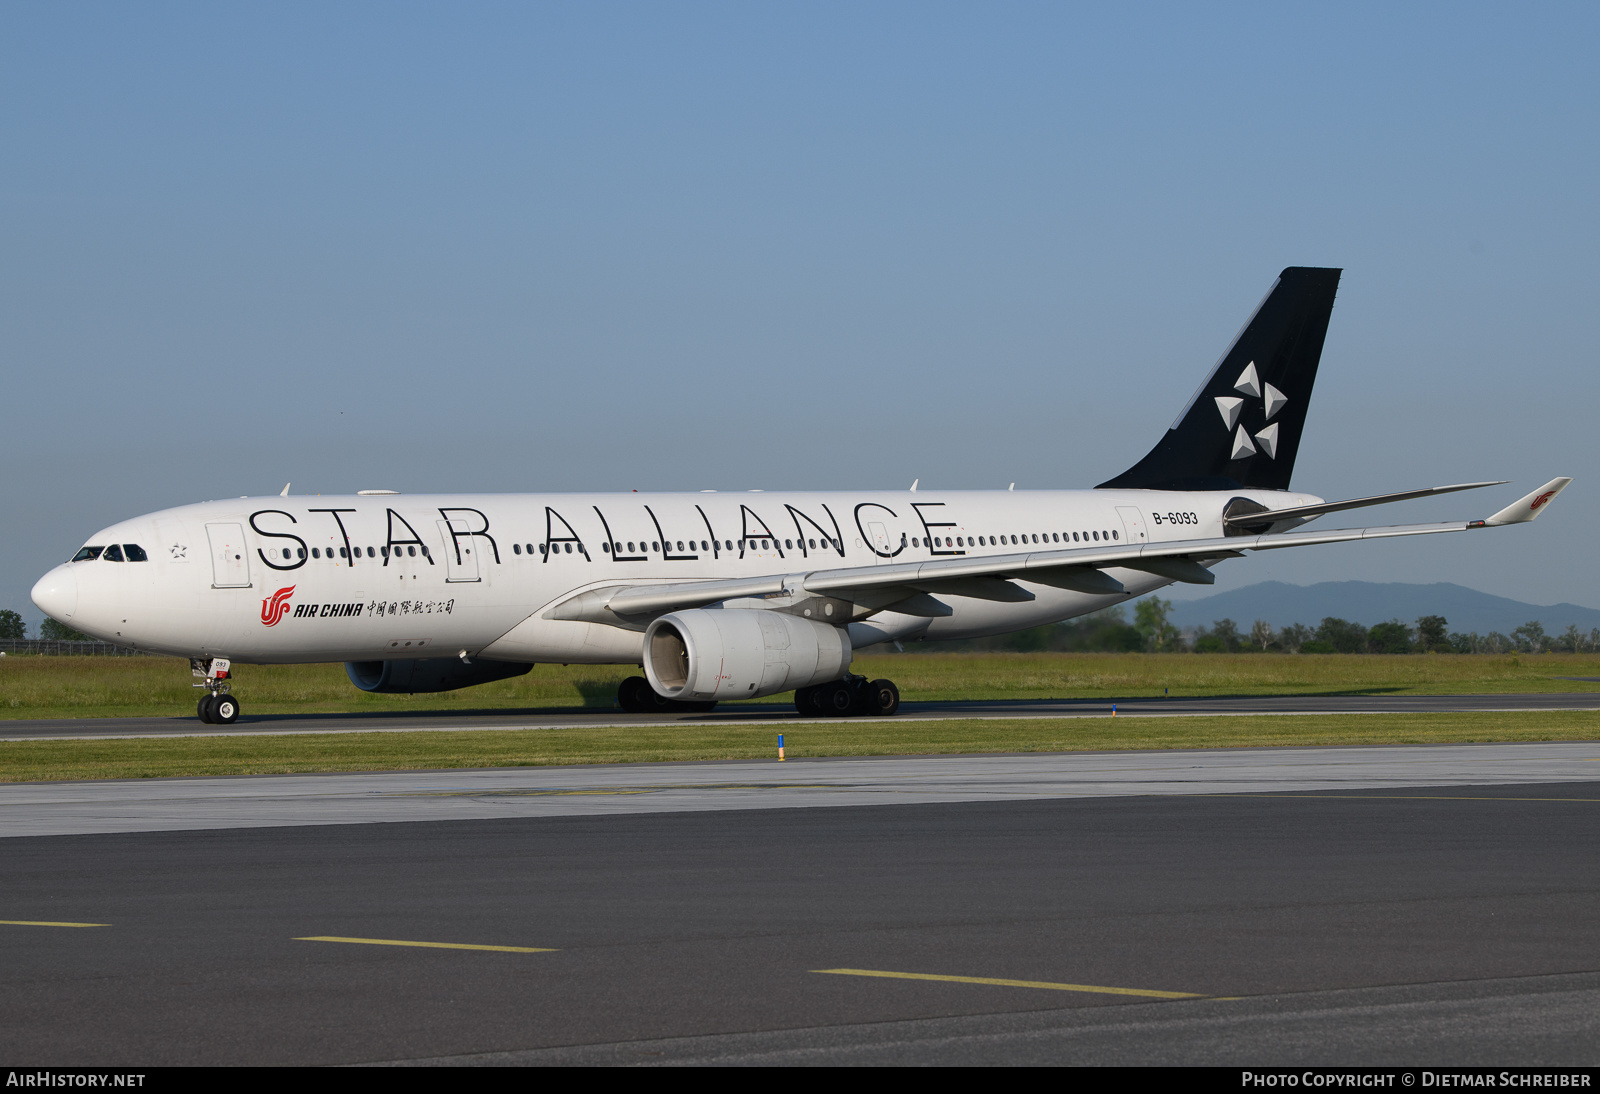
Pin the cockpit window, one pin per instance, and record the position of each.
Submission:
(135, 553)
(113, 553)
(88, 554)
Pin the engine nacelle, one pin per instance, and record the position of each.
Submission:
(429, 674)
(740, 653)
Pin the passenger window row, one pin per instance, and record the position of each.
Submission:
(407, 550)
(1001, 541)
(132, 552)
(704, 545)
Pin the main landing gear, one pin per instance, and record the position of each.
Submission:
(854, 695)
(636, 696)
(217, 707)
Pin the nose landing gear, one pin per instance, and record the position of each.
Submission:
(216, 706)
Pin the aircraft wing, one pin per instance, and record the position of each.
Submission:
(991, 576)
(1306, 512)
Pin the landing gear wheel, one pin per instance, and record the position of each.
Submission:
(815, 701)
(660, 704)
(881, 698)
(204, 709)
(837, 700)
(636, 696)
(224, 709)
(805, 700)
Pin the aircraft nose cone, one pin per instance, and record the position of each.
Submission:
(56, 594)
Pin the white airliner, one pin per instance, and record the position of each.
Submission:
(720, 595)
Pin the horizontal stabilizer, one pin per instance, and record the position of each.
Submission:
(1306, 512)
(1525, 509)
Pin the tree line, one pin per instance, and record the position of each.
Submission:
(13, 626)
(1152, 631)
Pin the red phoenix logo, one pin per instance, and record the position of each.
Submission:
(1542, 498)
(274, 609)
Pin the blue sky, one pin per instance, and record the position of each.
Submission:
(616, 246)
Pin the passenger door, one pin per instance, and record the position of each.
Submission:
(230, 562)
(460, 551)
(882, 549)
(1132, 524)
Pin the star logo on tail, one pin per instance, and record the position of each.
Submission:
(1230, 407)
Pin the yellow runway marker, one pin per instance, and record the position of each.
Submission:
(46, 923)
(426, 945)
(1046, 984)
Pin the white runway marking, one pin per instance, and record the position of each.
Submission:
(154, 805)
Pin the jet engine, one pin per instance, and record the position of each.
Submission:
(429, 674)
(714, 653)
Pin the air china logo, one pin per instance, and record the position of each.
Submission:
(1541, 499)
(275, 608)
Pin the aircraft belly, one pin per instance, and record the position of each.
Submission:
(568, 642)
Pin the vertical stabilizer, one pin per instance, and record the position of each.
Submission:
(1242, 428)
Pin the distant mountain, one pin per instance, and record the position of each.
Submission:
(1368, 602)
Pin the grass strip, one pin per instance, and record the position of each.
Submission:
(37, 761)
(98, 687)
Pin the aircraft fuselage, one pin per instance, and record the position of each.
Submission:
(393, 577)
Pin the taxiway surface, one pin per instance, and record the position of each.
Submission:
(757, 713)
(266, 801)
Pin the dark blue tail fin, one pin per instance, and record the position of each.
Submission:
(1242, 428)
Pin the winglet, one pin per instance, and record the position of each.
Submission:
(285, 491)
(1529, 507)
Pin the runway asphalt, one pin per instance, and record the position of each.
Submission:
(1416, 905)
(45, 729)
(1393, 926)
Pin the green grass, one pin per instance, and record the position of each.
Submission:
(88, 687)
(98, 687)
(1133, 675)
(33, 761)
